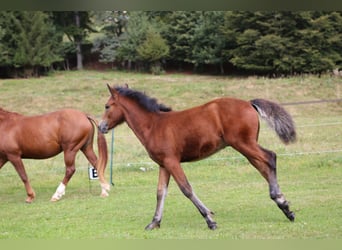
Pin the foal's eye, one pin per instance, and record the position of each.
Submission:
(107, 107)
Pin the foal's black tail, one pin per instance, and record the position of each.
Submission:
(277, 118)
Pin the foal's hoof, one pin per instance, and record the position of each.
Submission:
(152, 226)
(212, 225)
(291, 216)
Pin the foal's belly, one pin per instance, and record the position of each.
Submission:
(200, 151)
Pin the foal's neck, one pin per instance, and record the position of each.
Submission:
(141, 122)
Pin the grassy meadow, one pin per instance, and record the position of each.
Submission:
(309, 171)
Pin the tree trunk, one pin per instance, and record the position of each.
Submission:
(78, 42)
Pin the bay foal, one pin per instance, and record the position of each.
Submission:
(172, 137)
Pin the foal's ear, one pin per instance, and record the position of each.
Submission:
(112, 91)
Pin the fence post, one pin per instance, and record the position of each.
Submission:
(111, 158)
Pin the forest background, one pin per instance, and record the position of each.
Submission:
(272, 43)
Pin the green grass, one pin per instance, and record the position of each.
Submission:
(309, 171)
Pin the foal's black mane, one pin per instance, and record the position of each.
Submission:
(150, 104)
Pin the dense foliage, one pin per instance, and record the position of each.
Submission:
(270, 43)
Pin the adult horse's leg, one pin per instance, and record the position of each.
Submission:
(19, 167)
(175, 169)
(91, 156)
(265, 162)
(69, 159)
(163, 183)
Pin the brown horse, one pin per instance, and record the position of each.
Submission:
(44, 136)
(172, 137)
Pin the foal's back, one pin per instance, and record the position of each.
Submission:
(201, 131)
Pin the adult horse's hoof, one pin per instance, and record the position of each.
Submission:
(152, 226)
(104, 194)
(30, 198)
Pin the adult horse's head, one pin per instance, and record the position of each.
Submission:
(113, 114)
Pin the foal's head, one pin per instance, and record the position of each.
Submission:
(114, 114)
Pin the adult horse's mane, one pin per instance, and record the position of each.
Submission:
(150, 104)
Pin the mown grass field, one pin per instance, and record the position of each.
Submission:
(309, 171)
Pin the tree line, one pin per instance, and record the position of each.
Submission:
(266, 42)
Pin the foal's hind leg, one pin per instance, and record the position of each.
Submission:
(265, 162)
(275, 193)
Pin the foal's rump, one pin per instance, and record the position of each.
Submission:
(240, 122)
(277, 118)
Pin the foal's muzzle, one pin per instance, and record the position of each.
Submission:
(103, 127)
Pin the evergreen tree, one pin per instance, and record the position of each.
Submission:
(322, 43)
(180, 31)
(208, 41)
(138, 27)
(113, 25)
(134, 36)
(283, 42)
(5, 58)
(153, 50)
(75, 25)
(32, 41)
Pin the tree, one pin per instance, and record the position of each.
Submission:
(138, 27)
(31, 41)
(283, 42)
(153, 49)
(4, 51)
(114, 24)
(322, 43)
(179, 34)
(75, 25)
(208, 40)
(135, 34)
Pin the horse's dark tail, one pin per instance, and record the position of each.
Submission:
(103, 157)
(277, 118)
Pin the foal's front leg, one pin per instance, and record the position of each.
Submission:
(163, 183)
(179, 176)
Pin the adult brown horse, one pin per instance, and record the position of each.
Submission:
(172, 137)
(44, 136)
